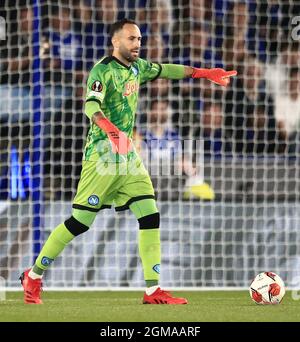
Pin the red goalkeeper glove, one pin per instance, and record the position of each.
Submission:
(120, 142)
(216, 75)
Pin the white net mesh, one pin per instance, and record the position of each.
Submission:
(229, 207)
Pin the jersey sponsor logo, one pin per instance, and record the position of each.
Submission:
(156, 268)
(46, 261)
(97, 86)
(93, 200)
(130, 88)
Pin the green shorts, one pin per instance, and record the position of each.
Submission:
(103, 185)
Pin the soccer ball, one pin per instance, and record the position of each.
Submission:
(267, 288)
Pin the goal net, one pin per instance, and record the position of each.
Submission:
(224, 161)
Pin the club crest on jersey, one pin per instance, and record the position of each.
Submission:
(97, 86)
(130, 88)
(135, 70)
(93, 200)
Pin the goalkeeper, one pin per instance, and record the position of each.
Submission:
(112, 171)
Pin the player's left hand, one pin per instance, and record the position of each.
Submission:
(221, 76)
(216, 75)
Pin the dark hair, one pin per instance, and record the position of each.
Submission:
(161, 100)
(56, 8)
(208, 104)
(293, 71)
(117, 26)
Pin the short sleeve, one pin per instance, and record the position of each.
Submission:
(148, 71)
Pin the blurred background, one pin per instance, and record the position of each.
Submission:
(233, 208)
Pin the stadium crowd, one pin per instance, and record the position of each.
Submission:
(258, 114)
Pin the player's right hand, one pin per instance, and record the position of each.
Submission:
(120, 143)
(119, 140)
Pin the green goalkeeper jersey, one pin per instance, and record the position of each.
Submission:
(115, 88)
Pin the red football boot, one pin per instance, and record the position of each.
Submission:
(32, 288)
(162, 297)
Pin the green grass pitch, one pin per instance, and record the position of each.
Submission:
(204, 306)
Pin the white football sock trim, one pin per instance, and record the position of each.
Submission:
(150, 290)
(34, 275)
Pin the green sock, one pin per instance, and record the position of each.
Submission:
(149, 248)
(55, 244)
(150, 283)
(149, 242)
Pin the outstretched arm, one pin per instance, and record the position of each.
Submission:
(216, 75)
